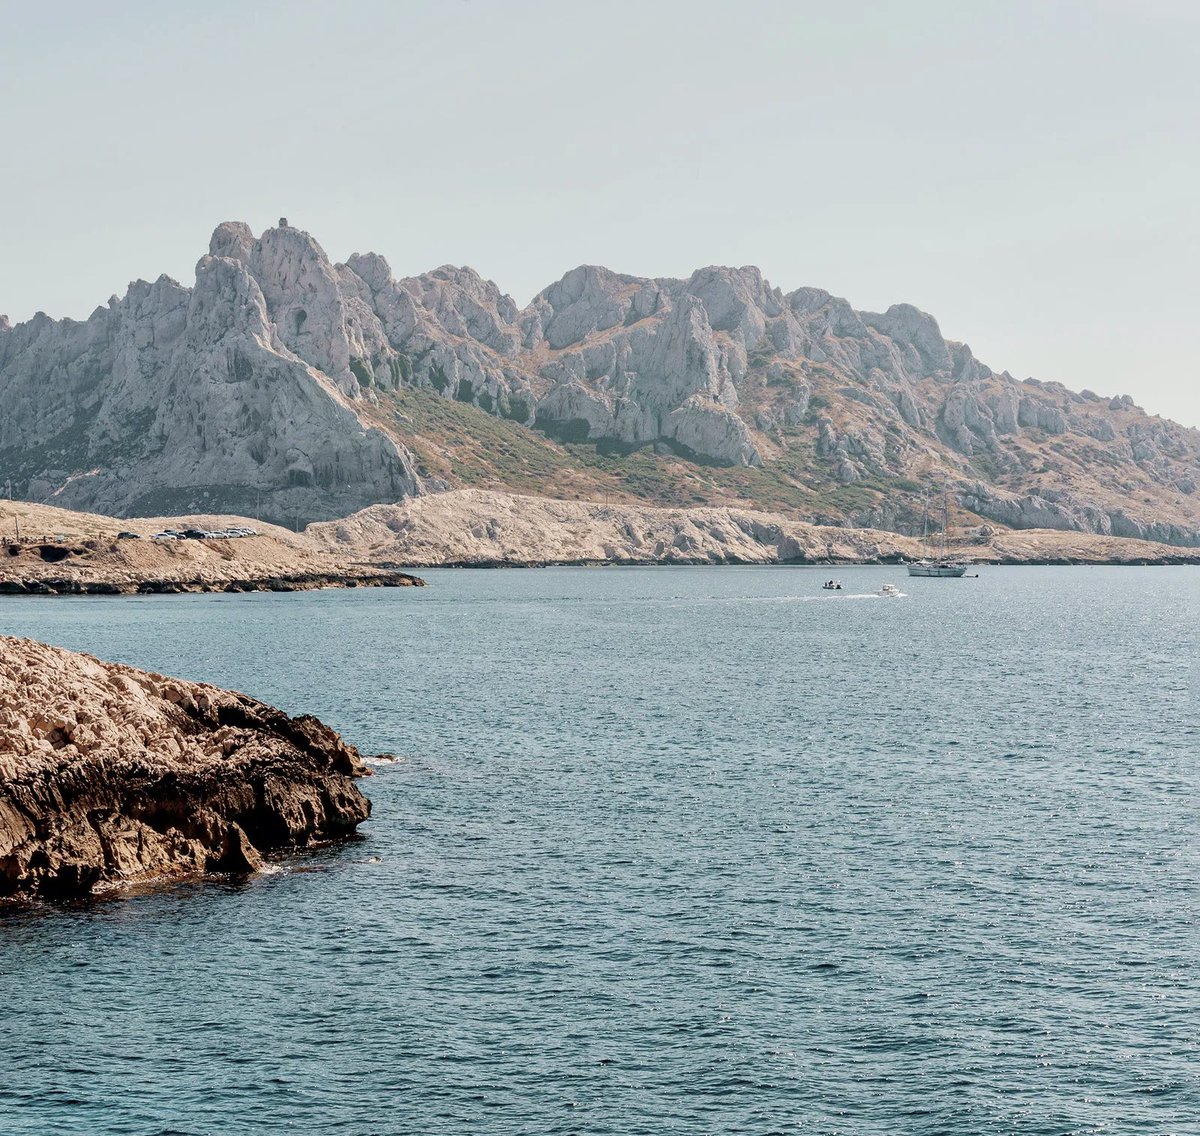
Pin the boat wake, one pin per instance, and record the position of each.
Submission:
(828, 597)
(863, 596)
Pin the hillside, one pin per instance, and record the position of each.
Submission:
(287, 386)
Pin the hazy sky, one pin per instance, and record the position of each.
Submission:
(1027, 172)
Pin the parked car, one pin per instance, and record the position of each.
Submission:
(128, 536)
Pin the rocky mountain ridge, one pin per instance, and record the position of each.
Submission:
(283, 383)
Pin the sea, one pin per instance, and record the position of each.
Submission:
(664, 850)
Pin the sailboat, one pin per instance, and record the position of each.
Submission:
(939, 565)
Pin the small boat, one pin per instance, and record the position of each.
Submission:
(890, 590)
(832, 586)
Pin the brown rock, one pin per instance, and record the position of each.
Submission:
(110, 775)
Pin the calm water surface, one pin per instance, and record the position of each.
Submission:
(672, 850)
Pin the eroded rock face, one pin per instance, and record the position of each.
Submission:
(476, 527)
(234, 395)
(111, 775)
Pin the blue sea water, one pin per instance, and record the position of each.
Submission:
(670, 850)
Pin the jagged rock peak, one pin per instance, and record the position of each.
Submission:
(907, 324)
(591, 299)
(371, 268)
(233, 239)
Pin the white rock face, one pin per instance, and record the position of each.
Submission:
(304, 302)
(175, 399)
(709, 429)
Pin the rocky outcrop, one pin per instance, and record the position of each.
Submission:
(277, 379)
(101, 583)
(1055, 509)
(64, 553)
(111, 775)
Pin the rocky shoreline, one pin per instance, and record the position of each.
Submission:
(1165, 561)
(85, 554)
(836, 562)
(382, 546)
(111, 776)
(308, 581)
(485, 529)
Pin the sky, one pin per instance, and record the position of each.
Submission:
(1028, 172)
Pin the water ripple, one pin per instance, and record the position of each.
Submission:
(670, 851)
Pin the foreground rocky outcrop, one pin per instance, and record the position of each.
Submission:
(477, 528)
(286, 384)
(111, 775)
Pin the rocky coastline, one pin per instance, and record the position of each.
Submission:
(112, 776)
(131, 586)
(384, 545)
(87, 554)
(479, 528)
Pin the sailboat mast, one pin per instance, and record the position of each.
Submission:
(937, 563)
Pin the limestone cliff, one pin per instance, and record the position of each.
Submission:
(111, 775)
(283, 383)
(208, 398)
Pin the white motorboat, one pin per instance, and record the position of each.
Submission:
(891, 591)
